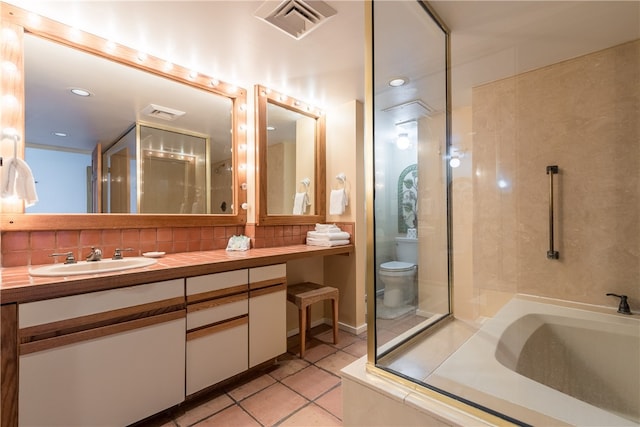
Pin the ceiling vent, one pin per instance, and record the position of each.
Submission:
(408, 111)
(160, 112)
(295, 17)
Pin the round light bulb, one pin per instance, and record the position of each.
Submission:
(454, 162)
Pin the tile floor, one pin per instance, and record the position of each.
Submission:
(296, 392)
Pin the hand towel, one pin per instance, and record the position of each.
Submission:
(300, 203)
(17, 180)
(340, 235)
(328, 243)
(338, 202)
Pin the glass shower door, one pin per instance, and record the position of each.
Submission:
(411, 210)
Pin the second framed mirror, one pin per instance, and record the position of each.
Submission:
(290, 140)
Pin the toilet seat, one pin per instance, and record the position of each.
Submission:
(396, 266)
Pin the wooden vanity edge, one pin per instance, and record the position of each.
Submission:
(74, 285)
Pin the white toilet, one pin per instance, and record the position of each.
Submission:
(399, 276)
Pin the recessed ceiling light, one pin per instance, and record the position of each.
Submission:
(60, 134)
(400, 81)
(80, 92)
(271, 128)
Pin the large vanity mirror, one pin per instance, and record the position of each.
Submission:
(290, 136)
(149, 137)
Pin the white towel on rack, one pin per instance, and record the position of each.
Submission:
(338, 201)
(17, 180)
(300, 203)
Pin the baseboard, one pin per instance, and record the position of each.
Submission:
(357, 330)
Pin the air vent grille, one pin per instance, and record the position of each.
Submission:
(295, 17)
(160, 112)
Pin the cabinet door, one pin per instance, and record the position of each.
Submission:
(112, 380)
(267, 313)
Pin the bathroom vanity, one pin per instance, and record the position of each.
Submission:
(78, 350)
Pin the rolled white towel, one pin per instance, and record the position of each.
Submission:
(329, 243)
(340, 235)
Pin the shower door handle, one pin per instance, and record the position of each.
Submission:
(551, 253)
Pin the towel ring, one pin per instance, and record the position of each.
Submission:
(306, 182)
(343, 179)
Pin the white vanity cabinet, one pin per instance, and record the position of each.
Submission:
(217, 328)
(267, 313)
(103, 358)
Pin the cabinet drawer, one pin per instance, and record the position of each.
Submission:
(267, 276)
(216, 285)
(217, 310)
(216, 356)
(57, 309)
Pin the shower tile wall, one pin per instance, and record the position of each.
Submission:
(582, 115)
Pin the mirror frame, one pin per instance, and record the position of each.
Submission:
(263, 96)
(13, 218)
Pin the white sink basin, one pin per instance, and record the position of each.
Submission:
(91, 267)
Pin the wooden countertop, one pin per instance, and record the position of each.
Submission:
(17, 286)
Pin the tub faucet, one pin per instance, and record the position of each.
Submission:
(95, 255)
(624, 305)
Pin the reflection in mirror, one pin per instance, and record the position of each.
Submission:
(169, 174)
(290, 139)
(70, 127)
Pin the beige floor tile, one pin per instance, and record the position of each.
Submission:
(332, 401)
(317, 352)
(252, 387)
(357, 349)
(344, 338)
(336, 361)
(310, 416)
(288, 367)
(273, 404)
(311, 382)
(230, 417)
(204, 410)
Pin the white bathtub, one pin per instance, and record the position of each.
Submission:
(575, 365)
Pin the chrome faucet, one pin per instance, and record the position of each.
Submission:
(624, 305)
(117, 254)
(69, 257)
(95, 255)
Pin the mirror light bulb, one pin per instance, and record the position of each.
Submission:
(454, 162)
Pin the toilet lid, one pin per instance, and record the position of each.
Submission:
(397, 266)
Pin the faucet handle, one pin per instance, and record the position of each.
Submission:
(117, 254)
(624, 304)
(69, 257)
(95, 254)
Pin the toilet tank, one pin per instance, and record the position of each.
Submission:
(407, 250)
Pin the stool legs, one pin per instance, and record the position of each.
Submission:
(302, 316)
(334, 309)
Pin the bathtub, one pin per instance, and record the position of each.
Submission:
(577, 364)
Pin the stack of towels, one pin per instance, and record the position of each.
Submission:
(327, 235)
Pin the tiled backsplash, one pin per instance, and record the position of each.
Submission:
(35, 247)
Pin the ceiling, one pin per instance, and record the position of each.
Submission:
(490, 40)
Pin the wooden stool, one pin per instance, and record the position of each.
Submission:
(305, 294)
